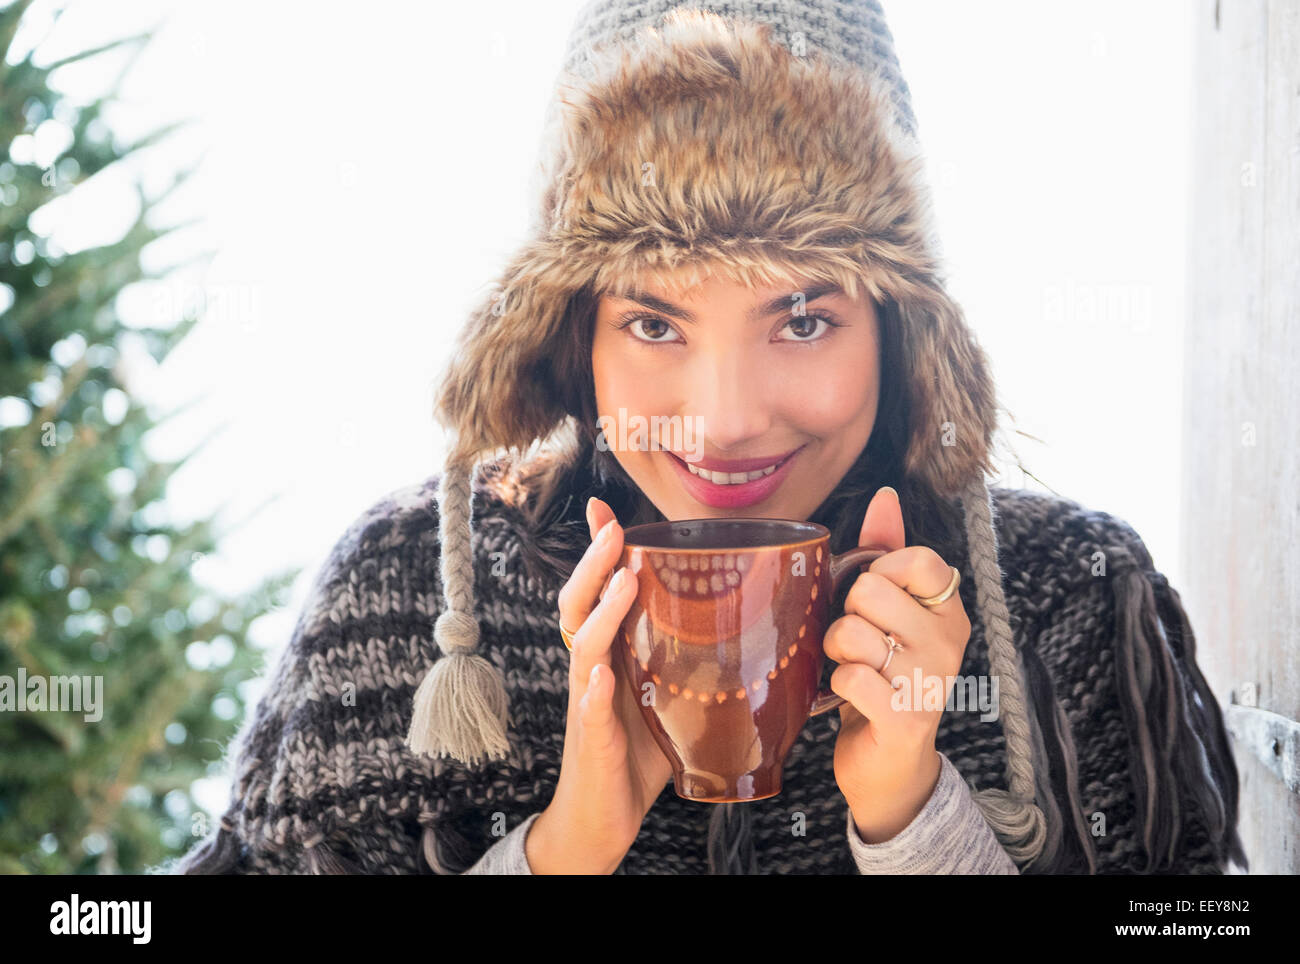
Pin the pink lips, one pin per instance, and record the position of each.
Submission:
(732, 496)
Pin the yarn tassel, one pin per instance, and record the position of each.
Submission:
(1170, 762)
(1056, 773)
(1146, 700)
(731, 840)
(445, 851)
(1019, 824)
(1218, 799)
(219, 854)
(321, 859)
(460, 708)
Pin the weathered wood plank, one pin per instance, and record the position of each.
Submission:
(1241, 483)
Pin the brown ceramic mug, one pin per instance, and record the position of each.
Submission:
(723, 644)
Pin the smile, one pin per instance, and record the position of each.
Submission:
(735, 478)
(730, 490)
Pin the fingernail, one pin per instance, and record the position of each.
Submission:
(620, 579)
(889, 488)
(591, 680)
(591, 521)
(606, 531)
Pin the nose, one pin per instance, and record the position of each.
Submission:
(731, 396)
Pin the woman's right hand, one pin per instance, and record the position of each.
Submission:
(612, 770)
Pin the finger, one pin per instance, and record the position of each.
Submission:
(871, 695)
(883, 523)
(586, 586)
(886, 605)
(591, 644)
(852, 639)
(599, 514)
(919, 571)
(596, 714)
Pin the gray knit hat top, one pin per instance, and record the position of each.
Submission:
(855, 32)
(802, 158)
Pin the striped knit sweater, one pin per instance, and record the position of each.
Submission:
(1134, 757)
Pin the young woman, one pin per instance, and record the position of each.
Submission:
(733, 233)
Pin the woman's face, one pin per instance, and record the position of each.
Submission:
(740, 378)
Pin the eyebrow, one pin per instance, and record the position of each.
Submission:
(777, 305)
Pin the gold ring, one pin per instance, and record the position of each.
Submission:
(567, 636)
(931, 601)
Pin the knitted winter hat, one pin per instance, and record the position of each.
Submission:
(775, 141)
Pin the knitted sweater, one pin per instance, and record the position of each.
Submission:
(1133, 746)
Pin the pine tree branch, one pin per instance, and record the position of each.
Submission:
(59, 473)
(25, 439)
(26, 657)
(141, 38)
(169, 696)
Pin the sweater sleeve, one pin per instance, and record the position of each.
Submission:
(507, 855)
(948, 836)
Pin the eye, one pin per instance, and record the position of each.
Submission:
(643, 325)
(656, 324)
(808, 323)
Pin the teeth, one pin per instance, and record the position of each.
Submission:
(730, 478)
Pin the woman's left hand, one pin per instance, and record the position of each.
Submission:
(886, 763)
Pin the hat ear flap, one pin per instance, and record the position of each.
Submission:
(498, 391)
(498, 388)
(954, 403)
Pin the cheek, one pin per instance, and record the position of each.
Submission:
(608, 377)
(837, 394)
(621, 378)
(603, 369)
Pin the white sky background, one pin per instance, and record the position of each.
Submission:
(367, 175)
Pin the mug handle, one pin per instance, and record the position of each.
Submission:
(843, 565)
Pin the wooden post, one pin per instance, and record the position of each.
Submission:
(1241, 478)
